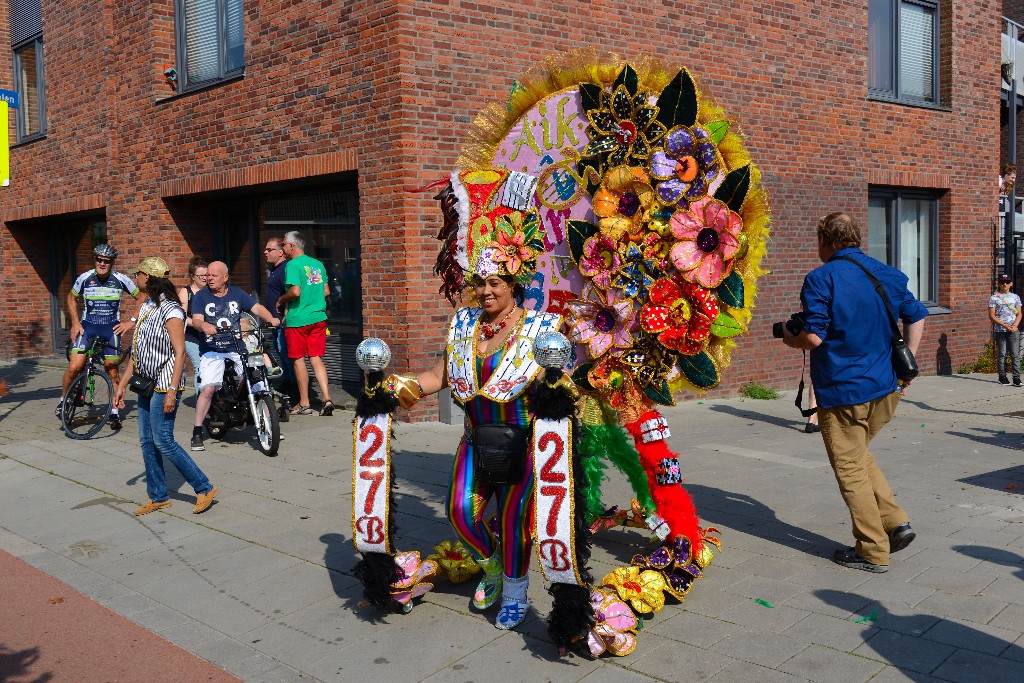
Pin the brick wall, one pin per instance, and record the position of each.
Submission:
(394, 85)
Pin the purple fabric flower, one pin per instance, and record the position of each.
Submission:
(688, 166)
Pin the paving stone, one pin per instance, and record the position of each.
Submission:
(973, 667)
(772, 590)
(905, 652)
(480, 665)
(1007, 590)
(972, 636)
(745, 672)
(759, 647)
(1011, 618)
(980, 609)
(829, 602)
(610, 672)
(972, 582)
(678, 659)
(825, 665)
(693, 628)
(750, 614)
(840, 634)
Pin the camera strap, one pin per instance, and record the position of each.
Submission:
(800, 392)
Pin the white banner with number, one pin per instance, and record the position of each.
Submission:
(555, 502)
(371, 469)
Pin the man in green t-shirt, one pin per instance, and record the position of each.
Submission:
(304, 304)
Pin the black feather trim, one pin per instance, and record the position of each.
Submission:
(572, 615)
(550, 403)
(377, 571)
(380, 402)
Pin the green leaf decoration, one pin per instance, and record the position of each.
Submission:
(700, 370)
(581, 377)
(591, 174)
(730, 292)
(677, 104)
(628, 78)
(590, 96)
(579, 231)
(734, 189)
(660, 394)
(726, 326)
(717, 130)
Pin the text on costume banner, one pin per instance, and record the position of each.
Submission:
(552, 457)
(371, 468)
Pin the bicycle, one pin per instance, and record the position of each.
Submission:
(86, 405)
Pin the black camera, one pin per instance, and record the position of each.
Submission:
(795, 325)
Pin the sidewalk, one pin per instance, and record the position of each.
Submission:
(261, 585)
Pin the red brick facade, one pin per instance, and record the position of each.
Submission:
(381, 93)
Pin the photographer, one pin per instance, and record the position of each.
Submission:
(845, 326)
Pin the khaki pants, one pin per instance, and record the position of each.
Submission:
(847, 431)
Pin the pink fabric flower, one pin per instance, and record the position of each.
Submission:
(412, 584)
(512, 250)
(708, 234)
(601, 321)
(600, 260)
(615, 630)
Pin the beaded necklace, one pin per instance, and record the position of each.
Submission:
(488, 330)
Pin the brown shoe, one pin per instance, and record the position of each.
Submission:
(204, 501)
(150, 506)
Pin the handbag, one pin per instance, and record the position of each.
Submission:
(499, 453)
(903, 361)
(142, 385)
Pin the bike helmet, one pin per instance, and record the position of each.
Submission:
(105, 251)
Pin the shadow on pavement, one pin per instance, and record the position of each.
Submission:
(14, 664)
(898, 639)
(746, 514)
(749, 414)
(1010, 479)
(994, 555)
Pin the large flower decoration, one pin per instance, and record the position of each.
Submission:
(615, 630)
(602, 325)
(513, 246)
(680, 314)
(623, 201)
(709, 239)
(414, 573)
(644, 589)
(649, 361)
(600, 260)
(676, 564)
(637, 273)
(455, 560)
(623, 126)
(688, 166)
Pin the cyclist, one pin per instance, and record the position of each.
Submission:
(101, 288)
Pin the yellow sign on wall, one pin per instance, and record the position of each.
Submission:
(5, 151)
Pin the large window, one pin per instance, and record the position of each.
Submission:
(211, 44)
(27, 46)
(903, 50)
(903, 229)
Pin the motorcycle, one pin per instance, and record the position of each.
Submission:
(248, 399)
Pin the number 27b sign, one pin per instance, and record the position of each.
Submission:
(552, 455)
(370, 474)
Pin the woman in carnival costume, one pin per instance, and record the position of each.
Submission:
(624, 202)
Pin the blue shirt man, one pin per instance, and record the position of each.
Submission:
(849, 334)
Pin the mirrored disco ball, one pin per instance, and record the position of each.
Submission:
(552, 350)
(372, 354)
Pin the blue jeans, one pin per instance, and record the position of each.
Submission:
(156, 435)
(1004, 339)
(282, 354)
(192, 351)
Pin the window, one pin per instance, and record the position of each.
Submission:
(903, 50)
(211, 45)
(903, 229)
(27, 46)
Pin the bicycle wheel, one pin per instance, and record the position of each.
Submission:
(268, 429)
(87, 404)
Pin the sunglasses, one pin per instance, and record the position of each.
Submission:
(104, 260)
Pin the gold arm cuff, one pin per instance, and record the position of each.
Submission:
(406, 389)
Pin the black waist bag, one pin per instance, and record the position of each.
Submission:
(499, 453)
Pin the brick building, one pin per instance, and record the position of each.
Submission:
(318, 116)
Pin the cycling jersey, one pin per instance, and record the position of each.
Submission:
(103, 297)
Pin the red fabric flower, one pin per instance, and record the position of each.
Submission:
(680, 314)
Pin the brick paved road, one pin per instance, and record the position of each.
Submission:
(261, 584)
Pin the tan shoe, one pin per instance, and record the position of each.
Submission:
(150, 506)
(204, 501)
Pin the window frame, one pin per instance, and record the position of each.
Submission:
(35, 43)
(894, 94)
(181, 53)
(896, 197)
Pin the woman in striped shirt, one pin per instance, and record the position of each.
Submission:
(158, 353)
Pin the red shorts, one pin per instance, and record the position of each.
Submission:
(310, 340)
